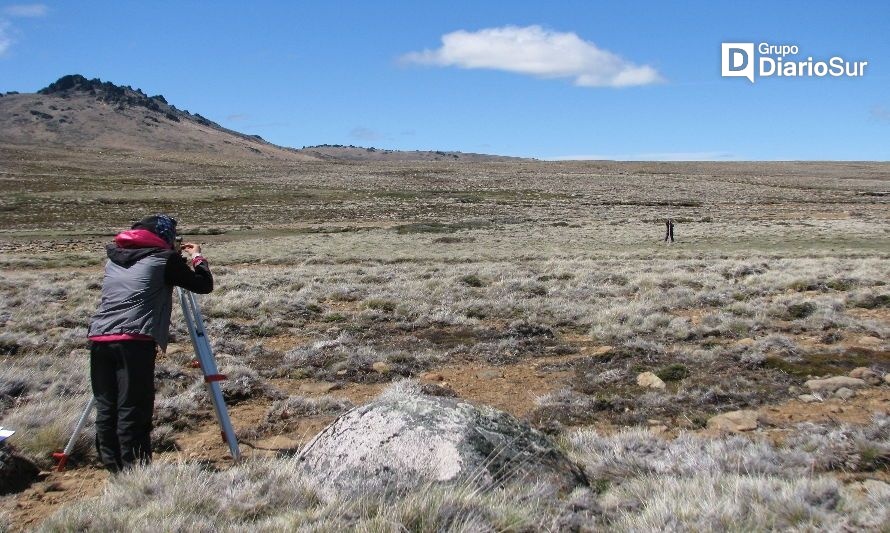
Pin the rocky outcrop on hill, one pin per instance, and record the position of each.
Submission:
(94, 116)
(121, 96)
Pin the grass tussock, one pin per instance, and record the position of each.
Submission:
(276, 494)
(640, 482)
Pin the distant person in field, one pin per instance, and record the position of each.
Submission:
(131, 324)
(669, 230)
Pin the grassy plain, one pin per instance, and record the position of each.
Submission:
(542, 288)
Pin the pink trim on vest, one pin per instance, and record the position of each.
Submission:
(198, 260)
(118, 337)
(140, 238)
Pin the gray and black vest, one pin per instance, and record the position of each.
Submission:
(135, 297)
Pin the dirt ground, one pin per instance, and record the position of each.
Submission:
(512, 388)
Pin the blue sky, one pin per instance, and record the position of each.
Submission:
(625, 80)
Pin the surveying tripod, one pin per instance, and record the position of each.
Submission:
(195, 324)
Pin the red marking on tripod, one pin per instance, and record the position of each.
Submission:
(62, 457)
(215, 377)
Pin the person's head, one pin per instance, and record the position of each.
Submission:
(164, 226)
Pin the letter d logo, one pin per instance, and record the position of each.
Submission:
(737, 60)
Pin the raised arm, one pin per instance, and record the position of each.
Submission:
(178, 274)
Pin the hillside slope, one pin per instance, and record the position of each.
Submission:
(78, 113)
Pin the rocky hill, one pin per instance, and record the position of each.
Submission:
(80, 113)
(88, 114)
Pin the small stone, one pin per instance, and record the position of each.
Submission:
(432, 376)
(650, 381)
(381, 368)
(868, 340)
(887, 378)
(734, 421)
(342, 372)
(844, 393)
(489, 373)
(279, 442)
(173, 349)
(866, 374)
(318, 388)
(834, 383)
(808, 398)
(860, 372)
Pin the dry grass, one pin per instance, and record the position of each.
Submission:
(644, 483)
(322, 270)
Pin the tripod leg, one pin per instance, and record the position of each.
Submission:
(62, 457)
(212, 377)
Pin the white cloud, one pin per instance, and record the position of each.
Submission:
(5, 37)
(538, 52)
(655, 156)
(16, 11)
(25, 10)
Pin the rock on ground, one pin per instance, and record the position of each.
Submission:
(404, 439)
(844, 393)
(650, 381)
(868, 340)
(866, 374)
(735, 421)
(808, 398)
(834, 383)
(16, 472)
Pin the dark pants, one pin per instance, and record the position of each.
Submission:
(123, 376)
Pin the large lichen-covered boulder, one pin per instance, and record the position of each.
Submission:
(405, 438)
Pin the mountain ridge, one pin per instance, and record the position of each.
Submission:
(81, 113)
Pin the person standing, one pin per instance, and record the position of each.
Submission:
(130, 325)
(669, 230)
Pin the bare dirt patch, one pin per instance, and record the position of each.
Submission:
(56, 489)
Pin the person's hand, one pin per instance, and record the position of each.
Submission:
(191, 249)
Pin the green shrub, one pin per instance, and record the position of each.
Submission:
(673, 372)
(801, 310)
(472, 280)
(381, 305)
(873, 301)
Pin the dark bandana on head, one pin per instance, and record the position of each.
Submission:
(161, 225)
